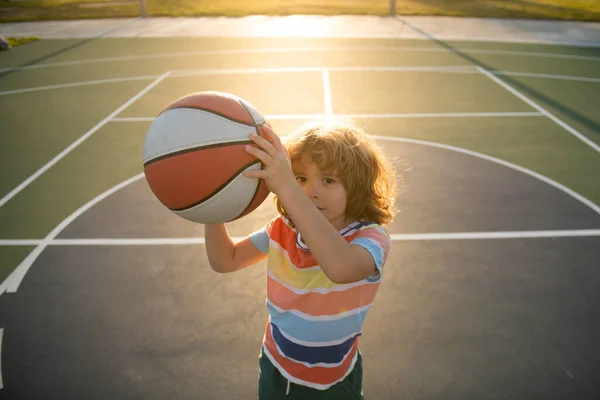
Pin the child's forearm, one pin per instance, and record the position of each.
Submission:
(219, 247)
(330, 249)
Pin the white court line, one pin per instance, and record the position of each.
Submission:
(529, 54)
(182, 54)
(533, 104)
(20, 242)
(547, 76)
(76, 143)
(444, 115)
(132, 119)
(366, 116)
(460, 69)
(327, 94)
(506, 40)
(11, 284)
(463, 70)
(565, 233)
(510, 89)
(297, 50)
(507, 164)
(498, 235)
(76, 84)
(216, 52)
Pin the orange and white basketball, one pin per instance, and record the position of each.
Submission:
(194, 157)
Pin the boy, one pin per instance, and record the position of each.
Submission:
(326, 250)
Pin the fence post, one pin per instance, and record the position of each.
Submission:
(393, 8)
(143, 11)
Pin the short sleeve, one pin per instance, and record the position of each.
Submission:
(377, 242)
(261, 237)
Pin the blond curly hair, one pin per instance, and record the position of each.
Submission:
(347, 151)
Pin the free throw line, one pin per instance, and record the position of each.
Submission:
(401, 237)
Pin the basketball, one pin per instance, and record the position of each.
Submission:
(194, 157)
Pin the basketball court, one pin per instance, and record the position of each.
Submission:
(491, 289)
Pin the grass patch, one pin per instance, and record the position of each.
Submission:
(17, 41)
(40, 10)
(31, 10)
(582, 10)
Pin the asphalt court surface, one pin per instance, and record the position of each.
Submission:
(457, 318)
(481, 185)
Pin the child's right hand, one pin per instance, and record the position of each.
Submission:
(277, 172)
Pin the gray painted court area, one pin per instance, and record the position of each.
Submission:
(502, 319)
(440, 191)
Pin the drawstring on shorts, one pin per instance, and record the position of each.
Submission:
(287, 390)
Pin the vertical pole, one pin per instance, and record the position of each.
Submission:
(392, 8)
(143, 11)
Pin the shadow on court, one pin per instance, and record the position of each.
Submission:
(536, 95)
(501, 318)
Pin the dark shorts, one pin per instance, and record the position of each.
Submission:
(273, 386)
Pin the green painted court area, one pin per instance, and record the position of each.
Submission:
(54, 93)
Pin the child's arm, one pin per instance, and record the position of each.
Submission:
(339, 260)
(226, 256)
(342, 262)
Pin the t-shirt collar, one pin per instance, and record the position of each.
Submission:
(348, 230)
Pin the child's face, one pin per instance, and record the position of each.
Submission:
(325, 190)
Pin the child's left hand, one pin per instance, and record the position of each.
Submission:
(277, 171)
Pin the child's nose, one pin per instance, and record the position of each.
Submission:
(311, 189)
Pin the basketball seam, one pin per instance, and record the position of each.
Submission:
(261, 164)
(188, 150)
(208, 110)
(253, 197)
(217, 190)
(249, 113)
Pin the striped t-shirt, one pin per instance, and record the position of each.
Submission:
(314, 324)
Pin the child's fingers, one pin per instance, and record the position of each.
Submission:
(286, 152)
(255, 174)
(264, 144)
(271, 136)
(258, 153)
(266, 129)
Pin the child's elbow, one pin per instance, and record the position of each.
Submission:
(219, 267)
(344, 276)
(341, 278)
(216, 268)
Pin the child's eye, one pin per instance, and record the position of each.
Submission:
(301, 179)
(328, 181)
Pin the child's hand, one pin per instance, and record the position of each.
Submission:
(277, 171)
